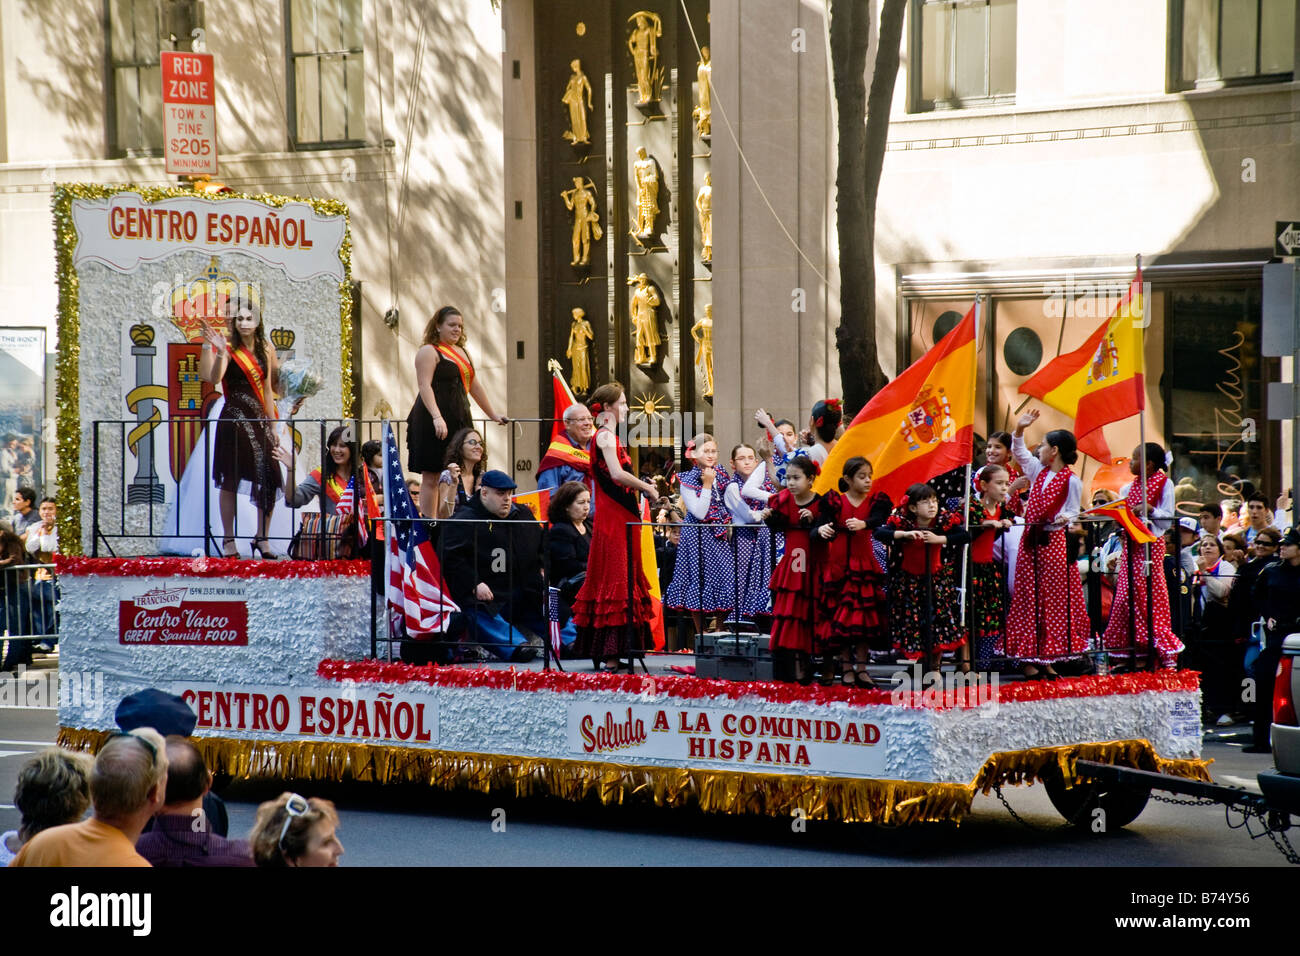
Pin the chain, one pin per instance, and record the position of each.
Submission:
(1193, 802)
(1033, 826)
(1276, 837)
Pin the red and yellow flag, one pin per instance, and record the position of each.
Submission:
(650, 570)
(1102, 380)
(1122, 513)
(920, 424)
(538, 502)
(562, 397)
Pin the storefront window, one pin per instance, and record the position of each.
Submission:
(1215, 382)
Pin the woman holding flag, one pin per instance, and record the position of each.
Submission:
(329, 488)
(1139, 614)
(245, 442)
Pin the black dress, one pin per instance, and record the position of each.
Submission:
(242, 459)
(425, 450)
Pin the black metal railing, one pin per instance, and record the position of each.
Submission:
(29, 611)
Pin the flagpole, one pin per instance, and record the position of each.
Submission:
(965, 551)
(1142, 455)
(385, 427)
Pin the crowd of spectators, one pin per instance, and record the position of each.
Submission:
(29, 539)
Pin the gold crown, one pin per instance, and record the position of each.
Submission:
(282, 338)
(142, 334)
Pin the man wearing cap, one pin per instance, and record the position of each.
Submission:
(1277, 595)
(492, 560)
(171, 717)
(567, 458)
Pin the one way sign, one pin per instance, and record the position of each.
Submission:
(1286, 239)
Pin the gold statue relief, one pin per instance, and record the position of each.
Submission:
(645, 320)
(703, 113)
(702, 333)
(704, 207)
(581, 199)
(579, 335)
(643, 43)
(645, 172)
(577, 133)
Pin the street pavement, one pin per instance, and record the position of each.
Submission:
(404, 825)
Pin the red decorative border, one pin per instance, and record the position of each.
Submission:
(691, 688)
(207, 568)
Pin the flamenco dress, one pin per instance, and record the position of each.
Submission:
(988, 584)
(853, 581)
(705, 576)
(612, 621)
(753, 543)
(924, 605)
(796, 582)
(1140, 609)
(1048, 621)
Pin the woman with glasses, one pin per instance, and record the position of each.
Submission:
(292, 830)
(465, 463)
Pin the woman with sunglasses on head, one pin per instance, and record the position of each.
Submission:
(444, 376)
(292, 830)
(243, 461)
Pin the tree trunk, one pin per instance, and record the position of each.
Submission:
(861, 156)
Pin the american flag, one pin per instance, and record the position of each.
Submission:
(346, 504)
(553, 615)
(415, 590)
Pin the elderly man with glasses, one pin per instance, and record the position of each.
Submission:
(568, 457)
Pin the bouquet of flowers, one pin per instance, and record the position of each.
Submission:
(297, 381)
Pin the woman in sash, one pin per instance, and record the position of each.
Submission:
(329, 487)
(445, 378)
(243, 459)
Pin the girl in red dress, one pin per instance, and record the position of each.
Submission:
(923, 599)
(611, 622)
(1140, 613)
(854, 621)
(796, 582)
(1048, 622)
(988, 519)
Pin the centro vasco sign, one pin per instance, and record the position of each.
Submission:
(189, 95)
(204, 613)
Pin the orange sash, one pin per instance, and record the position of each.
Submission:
(248, 365)
(334, 488)
(465, 367)
(560, 452)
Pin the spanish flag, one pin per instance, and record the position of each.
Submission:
(650, 569)
(1123, 514)
(562, 397)
(920, 424)
(1102, 380)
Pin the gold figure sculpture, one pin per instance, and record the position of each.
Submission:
(644, 45)
(702, 333)
(579, 335)
(645, 171)
(704, 207)
(645, 320)
(574, 98)
(703, 113)
(581, 199)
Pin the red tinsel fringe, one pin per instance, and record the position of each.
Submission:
(207, 568)
(690, 688)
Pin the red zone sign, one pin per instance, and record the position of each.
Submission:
(189, 95)
(203, 614)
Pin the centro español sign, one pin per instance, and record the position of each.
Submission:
(189, 95)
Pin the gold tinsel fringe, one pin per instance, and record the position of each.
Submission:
(885, 802)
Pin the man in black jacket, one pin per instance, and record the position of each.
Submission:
(1277, 595)
(492, 560)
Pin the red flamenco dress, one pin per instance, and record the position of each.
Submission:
(924, 603)
(1048, 621)
(1140, 613)
(796, 582)
(853, 579)
(611, 621)
(988, 588)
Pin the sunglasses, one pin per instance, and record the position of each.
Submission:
(295, 806)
